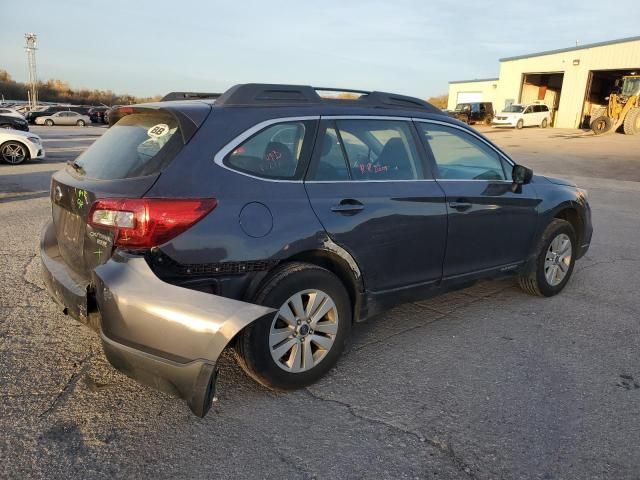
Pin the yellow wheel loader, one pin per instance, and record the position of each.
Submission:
(623, 109)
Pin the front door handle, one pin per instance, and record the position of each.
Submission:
(460, 206)
(348, 206)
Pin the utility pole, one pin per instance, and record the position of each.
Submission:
(31, 42)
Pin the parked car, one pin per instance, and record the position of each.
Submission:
(518, 116)
(18, 146)
(51, 109)
(270, 219)
(96, 114)
(474, 112)
(64, 118)
(10, 112)
(107, 113)
(14, 122)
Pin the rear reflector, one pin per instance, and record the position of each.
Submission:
(147, 222)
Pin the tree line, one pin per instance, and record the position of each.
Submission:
(54, 90)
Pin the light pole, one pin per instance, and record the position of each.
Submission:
(31, 42)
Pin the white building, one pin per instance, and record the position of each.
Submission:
(570, 80)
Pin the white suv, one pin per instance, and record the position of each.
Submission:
(517, 115)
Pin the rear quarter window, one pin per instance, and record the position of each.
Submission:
(279, 151)
(138, 144)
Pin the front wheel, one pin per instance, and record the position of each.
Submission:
(13, 153)
(631, 124)
(48, 123)
(554, 261)
(305, 337)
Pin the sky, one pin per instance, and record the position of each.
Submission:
(151, 47)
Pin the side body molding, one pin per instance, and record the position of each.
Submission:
(163, 335)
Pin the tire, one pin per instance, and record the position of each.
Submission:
(601, 125)
(8, 126)
(253, 346)
(544, 123)
(13, 153)
(80, 123)
(632, 122)
(520, 124)
(488, 120)
(598, 112)
(536, 280)
(48, 123)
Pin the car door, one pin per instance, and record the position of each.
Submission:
(371, 189)
(61, 118)
(490, 225)
(528, 116)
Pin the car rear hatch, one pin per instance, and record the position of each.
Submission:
(124, 163)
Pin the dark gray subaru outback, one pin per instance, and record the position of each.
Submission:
(270, 219)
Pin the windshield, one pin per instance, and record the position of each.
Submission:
(631, 87)
(139, 144)
(462, 107)
(514, 109)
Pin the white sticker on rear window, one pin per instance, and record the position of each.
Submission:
(158, 130)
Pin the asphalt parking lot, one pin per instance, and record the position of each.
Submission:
(483, 383)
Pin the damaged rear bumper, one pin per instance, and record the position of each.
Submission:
(162, 335)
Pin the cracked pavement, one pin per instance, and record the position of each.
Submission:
(482, 383)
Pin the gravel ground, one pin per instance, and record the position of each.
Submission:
(482, 383)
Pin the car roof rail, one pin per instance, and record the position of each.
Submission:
(189, 96)
(260, 94)
(252, 94)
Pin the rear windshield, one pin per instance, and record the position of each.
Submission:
(139, 144)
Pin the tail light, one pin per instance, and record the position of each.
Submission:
(147, 222)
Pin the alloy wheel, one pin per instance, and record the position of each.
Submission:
(303, 331)
(13, 153)
(558, 259)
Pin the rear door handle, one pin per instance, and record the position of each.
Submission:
(348, 206)
(460, 206)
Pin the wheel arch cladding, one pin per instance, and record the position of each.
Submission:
(571, 215)
(329, 260)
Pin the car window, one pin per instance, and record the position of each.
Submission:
(331, 164)
(274, 152)
(528, 110)
(544, 108)
(138, 144)
(380, 150)
(460, 156)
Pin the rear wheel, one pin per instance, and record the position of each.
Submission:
(13, 152)
(632, 122)
(48, 123)
(554, 261)
(488, 120)
(306, 336)
(544, 123)
(601, 125)
(80, 123)
(520, 124)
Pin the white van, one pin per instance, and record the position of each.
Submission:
(517, 115)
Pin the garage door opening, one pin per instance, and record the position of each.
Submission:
(545, 87)
(600, 85)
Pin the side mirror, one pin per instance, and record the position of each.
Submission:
(521, 175)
